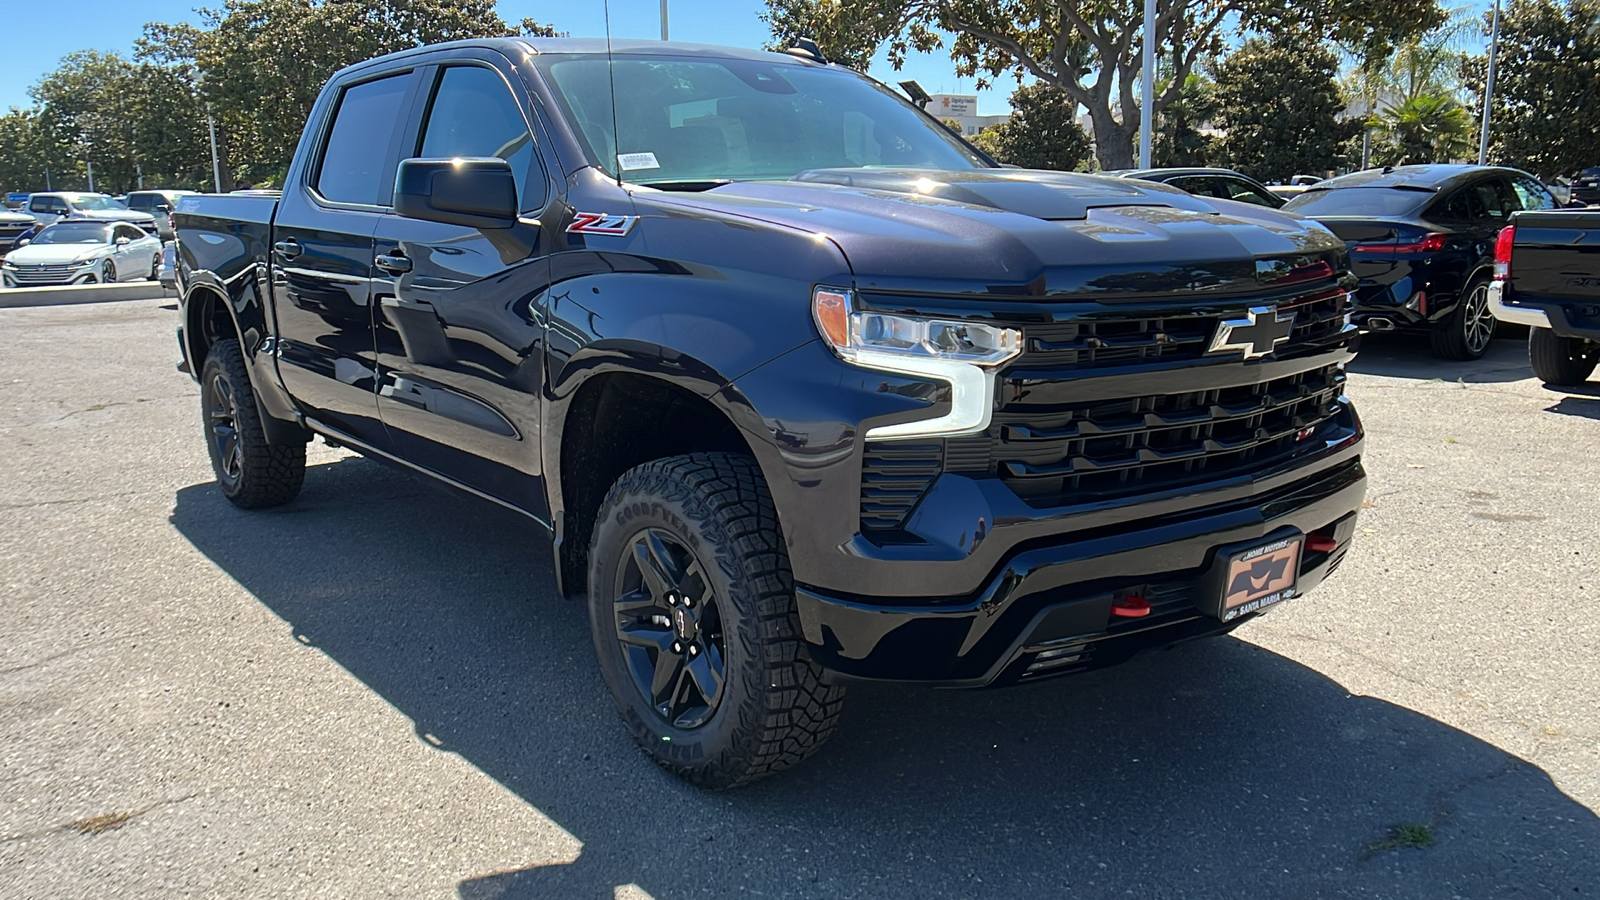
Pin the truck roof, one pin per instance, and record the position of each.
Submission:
(514, 47)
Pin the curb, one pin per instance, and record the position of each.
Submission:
(81, 293)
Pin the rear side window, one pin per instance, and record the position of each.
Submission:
(144, 202)
(48, 205)
(475, 114)
(355, 163)
(1532, 194)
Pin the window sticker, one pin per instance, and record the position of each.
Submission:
(630, 161)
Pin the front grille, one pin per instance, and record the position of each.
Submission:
(1107, 449)
(39, 274)
(1107, 343)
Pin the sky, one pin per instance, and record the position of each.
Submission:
(36, 36)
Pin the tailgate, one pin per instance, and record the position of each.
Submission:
(1556, 256)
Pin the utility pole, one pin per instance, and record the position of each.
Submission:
(90, 163)
(47, 185)
(1147, 85)
(663, 19)
(137, 167)
(1488, 87)
(216, 167)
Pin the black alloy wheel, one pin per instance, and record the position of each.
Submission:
(692, 612)
(108, 272)
(251, 472)
(1561, 361)
(222, 429)
(670, 629)
(155, 268)
(1465, 333)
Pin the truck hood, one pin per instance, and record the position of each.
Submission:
(55, 254)
(1027, 233)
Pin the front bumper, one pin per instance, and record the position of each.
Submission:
(1048, 610)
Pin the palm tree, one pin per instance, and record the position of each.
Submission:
(1425, 128)
(1426, 65)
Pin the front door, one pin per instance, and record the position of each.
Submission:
(322, 259)
(460, 330)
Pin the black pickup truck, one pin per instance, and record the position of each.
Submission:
(804, 388)
(1547, 276)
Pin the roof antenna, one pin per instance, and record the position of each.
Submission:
(611, 77)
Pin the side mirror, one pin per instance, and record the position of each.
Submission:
(24, 242)
(478, 192)
(122, 240)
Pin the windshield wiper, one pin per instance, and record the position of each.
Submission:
(686, 184)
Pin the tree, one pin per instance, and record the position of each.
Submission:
(1547, 86)
(1279, 104)
(30, 150)
(1426, 129)
(260, 64)
(1177, 139)
(1042, 133)
(1089, 50)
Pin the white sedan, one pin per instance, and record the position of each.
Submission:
(83, 252)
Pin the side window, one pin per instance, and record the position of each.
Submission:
(355, 161)
(1244, 192)
(1531, 194)
(139, 202)
(475, 114)
(123, 231)
(1487, 202)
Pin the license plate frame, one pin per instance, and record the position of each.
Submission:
(1259, 577)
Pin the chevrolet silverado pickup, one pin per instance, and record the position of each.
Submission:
(1547, 276)
(803, 388)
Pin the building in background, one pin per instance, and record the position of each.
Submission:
(962, 108)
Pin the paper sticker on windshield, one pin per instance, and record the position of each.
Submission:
(630, 161)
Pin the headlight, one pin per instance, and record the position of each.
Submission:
(963, 354)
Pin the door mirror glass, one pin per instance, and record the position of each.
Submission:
(478, 192)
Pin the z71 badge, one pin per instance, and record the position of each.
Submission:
(601, 223)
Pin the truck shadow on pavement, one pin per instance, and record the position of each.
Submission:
(1215, 769)
(1404, 355)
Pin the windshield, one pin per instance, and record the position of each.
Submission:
(96, 203)
(1358, 201)
(687, 120)
(75, 233)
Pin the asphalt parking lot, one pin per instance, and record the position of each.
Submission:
(375, 692)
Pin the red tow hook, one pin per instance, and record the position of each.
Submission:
(1322, 543)
(1132, 606)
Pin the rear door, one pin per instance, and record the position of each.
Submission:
(47, 209)
(322, 253)
(460, 329)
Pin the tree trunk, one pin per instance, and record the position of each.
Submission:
(1113, 140)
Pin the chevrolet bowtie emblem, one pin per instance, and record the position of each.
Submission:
(1261, 330)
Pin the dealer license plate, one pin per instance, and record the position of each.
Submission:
(1259, 577)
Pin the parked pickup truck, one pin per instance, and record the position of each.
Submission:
(803, 387)
(1547, 276)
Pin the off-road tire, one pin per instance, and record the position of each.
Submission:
(1561, 360)
(1452, 336)
(268, 474)
(776, 707)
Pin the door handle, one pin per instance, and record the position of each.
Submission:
(393, 263)
(287, 249)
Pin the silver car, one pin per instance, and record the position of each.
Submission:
(83, 251)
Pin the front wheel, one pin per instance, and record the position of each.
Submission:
(108, 272)
(155, 268)
(251, 472)
(691, 605)
(1561, 360)
(1465, 333)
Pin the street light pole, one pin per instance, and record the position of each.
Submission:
(663, 19)
(90, 163)
(216, 167)
(1488, 87)
(1147, 85)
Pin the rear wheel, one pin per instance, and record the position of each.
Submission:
(1561, 360)
(1467, 331)
(692, 610)
(251, 472)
